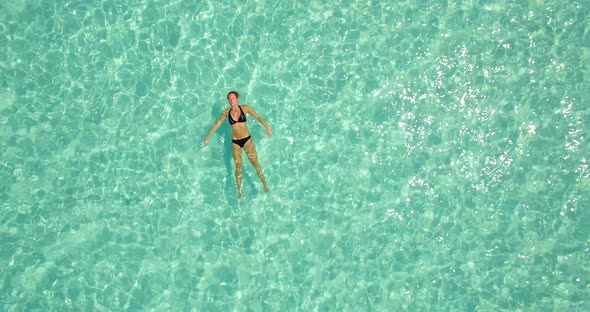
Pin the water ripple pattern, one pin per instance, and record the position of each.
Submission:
(426, 156)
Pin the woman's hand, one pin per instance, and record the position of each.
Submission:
(206, 141)
(268, 131)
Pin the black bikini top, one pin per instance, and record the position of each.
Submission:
(242, 117)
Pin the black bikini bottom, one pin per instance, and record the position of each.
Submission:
(241, 142)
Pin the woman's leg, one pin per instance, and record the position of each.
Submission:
(237, 153)
(251, 152)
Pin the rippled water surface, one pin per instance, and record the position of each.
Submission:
(426, 155)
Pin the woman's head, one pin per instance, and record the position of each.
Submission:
(232, 97)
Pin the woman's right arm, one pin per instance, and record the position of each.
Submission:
(216, 125)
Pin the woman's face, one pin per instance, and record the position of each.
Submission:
(232, 99)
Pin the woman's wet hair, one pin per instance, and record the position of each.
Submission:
(233, 92)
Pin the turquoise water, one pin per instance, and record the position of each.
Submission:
(426, 155)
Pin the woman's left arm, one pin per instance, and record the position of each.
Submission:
(249, 110)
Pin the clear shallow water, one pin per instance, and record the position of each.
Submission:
(425, 156)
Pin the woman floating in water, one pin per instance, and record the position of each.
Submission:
(236, 115)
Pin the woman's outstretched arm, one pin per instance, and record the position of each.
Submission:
(216, 125)
(250, 111)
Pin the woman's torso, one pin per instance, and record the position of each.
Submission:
(237, 120)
